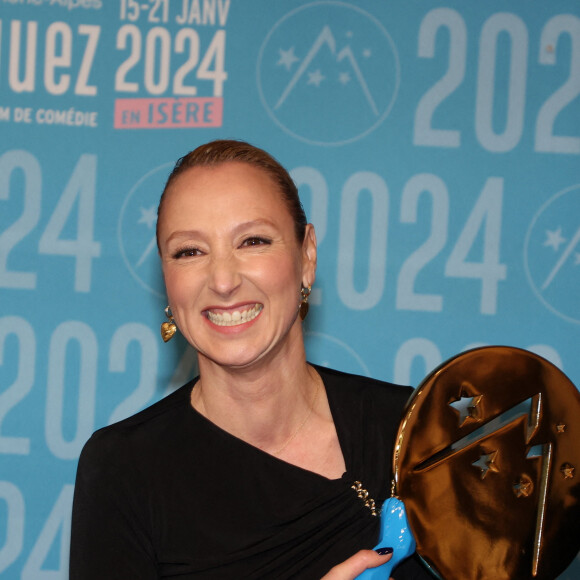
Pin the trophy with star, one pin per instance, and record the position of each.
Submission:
(486, 470)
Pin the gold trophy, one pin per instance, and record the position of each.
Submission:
(487, 463)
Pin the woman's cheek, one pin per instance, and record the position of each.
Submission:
(178, 288)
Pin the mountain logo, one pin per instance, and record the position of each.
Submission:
(552, 254)
(136, 229)
(328, 73)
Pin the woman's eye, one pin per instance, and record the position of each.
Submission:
(255, 241)
(187, 253)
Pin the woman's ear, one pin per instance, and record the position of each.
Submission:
(309, 253)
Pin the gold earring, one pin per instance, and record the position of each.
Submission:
(305, 293)
(168, 328)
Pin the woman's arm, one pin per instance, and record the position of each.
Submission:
(109, 537)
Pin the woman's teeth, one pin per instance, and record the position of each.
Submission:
(234, 318)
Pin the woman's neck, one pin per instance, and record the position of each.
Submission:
(263, 406)
(284, 411)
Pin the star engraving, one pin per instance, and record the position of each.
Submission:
(567, 470)
(148, 216)
(554, 239)
(486, 463)
(524, 487)
(560, 428)
(467, 408)
(287, 58)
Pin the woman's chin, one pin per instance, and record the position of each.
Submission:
(237, 360)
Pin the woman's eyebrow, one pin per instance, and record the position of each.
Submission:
(186, 234)
(183, 234)
(253, 223)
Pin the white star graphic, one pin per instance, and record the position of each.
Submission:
(344, 78)
(148, 216)
(287, 58)
(315, 78)
(367, 52)
(554, 239)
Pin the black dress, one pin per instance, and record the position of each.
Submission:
(168, 494)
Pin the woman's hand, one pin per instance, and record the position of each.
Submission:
(357, 564)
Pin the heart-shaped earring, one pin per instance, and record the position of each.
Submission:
(168, 328)
(304, 294)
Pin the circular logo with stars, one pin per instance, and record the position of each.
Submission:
(335, 81)
(552, 254)
(136, 229)
(328, 351)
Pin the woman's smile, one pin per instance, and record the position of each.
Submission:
(237, 317)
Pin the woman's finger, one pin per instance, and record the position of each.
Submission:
(355, 565)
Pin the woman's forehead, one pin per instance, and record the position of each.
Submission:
(235, 191)
(226, 182)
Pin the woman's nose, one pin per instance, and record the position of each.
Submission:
(224, 275)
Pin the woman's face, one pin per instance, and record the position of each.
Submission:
(232, 265)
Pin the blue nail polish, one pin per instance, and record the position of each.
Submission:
(384, 551)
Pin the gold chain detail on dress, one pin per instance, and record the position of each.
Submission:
(364, 495)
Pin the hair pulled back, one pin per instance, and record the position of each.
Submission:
(222, 151)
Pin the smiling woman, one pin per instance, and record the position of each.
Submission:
(228, 245)
(255, 468)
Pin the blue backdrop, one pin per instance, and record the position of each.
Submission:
(437, 150)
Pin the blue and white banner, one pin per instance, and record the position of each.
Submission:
(436, 146)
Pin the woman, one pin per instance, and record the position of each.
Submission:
(248, 471)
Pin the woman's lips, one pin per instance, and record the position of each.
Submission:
(234, 317)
